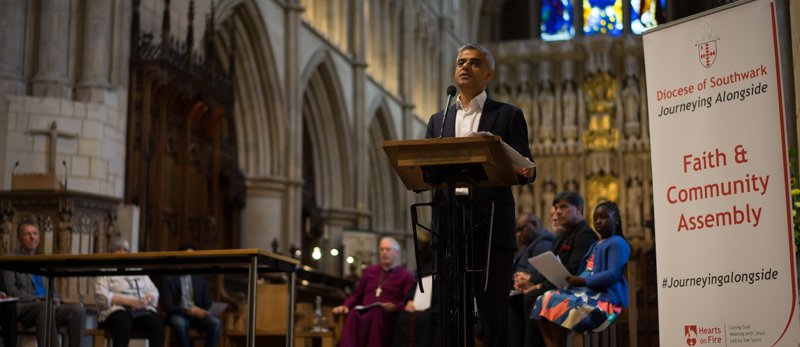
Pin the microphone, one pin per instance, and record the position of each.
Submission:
(66, 173)
(451, 92)
(14, 168)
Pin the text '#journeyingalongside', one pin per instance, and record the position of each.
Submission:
(668, 282)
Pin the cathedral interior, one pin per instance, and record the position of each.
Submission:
(260, 123)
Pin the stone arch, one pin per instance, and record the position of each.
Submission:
(385, 196)
(258, 116)
(326, 126)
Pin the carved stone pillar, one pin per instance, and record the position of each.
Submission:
(64, 229)
(546, 102)
(12, 39)
(7, 229)
(96, 52)
(51, 68)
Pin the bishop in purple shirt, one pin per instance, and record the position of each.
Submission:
(372, 307)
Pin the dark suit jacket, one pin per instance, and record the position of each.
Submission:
(571, 245)
(508, 122)
(20, 285)
(542, 243)
(171, 294)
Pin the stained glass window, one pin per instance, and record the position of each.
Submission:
(646, 14)
(556, 18)
(602, 17)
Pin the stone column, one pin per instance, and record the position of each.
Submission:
(263, 219)
(292, 228)
(51, 68)
(96, 51)
(12, 41)
(361, 179)
(405, 87)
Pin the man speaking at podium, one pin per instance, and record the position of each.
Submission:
(473, 112)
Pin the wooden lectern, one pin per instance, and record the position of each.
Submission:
(480, 159)
(36, 181)
(448, 163)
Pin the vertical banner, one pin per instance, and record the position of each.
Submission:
(726, 273)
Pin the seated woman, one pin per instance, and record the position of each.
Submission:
(594, 299)
(128, 303)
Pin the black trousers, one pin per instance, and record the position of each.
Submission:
(492, 303)
(8, 322)
(122, 322)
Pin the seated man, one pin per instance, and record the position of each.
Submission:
(383, 288)
(186, 300)
(533, 240)
(30, 289)
(573, 240)
(8, 317)
(127, 303)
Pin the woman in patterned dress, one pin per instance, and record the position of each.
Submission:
(596, 297)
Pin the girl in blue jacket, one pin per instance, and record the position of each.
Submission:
(596, 297)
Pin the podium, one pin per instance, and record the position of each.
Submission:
(445, 164)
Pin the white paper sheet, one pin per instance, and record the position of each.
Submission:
(217, 308)
(517, 160)
(423, 300)
(551, 268)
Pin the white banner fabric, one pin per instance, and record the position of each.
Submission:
(724, 245)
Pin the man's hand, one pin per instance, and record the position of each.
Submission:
(410, 306)
(521, 281)
(195, 311)
(388, 306)
(150, 299)
(136, 304)
(525, 171)
(341, 309)
(532, 288)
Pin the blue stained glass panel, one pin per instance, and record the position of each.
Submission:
(557, 20)
(602, 17)
(646, 14)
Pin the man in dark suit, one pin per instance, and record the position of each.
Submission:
(30, 289)
(186, 300)
(570, 246)
(474, 111)
(8, 317)
(533, 239)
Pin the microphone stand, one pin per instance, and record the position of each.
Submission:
(451, 92)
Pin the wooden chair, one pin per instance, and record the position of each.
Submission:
(22, 331)
(197, 337)
(102, 337)
(623, 331)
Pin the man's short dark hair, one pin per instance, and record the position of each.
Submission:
(571, 198)
(479, 48)
(23, 224)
